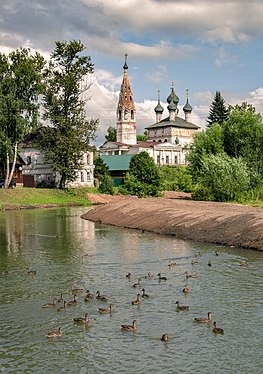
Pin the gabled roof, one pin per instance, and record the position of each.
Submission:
(117, 162)
(179, 122)
(110, 144)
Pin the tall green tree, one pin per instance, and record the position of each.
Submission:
(143, 177)
(20, 86)
(111, 134)
(70, 133)
(218, 112)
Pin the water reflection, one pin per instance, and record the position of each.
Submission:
(66, 250)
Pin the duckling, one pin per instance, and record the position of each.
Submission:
(31, 272)
(160, 277)
(101, 297)
(105, 310)
(198, 254)
(187, 275)
(244, 264)
(149, 276)
(73, 302)
(128, 276)
(132, 327)
(181, 307)
(75, 289)
(89, 296)
(165, 338)
(137, 301)
(61, 298)
(82, 320)
(216, 253)
(60, 309)
(204, 319)
(145, 295)
(137, 285)
(172, 263)
(217, 330)
(193, 262)
(50, 305)
(185, 289)
(209, 264)
(55, 334)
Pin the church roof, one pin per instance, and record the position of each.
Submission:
(117, 162)
(178, 122)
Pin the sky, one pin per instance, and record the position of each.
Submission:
(203, 46)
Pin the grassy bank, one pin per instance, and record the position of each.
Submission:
(22, 197)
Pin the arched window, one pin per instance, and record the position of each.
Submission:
(126, 114)
(132, 114)
(119, 116)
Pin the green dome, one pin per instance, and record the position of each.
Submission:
(158, 108)
(172, 106)
(172, 97)
(187, 108)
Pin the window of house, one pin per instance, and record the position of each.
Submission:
(176, 159)
(88, 176)
(167, 160)
(88, 159)
(82, 176)
(28, 160)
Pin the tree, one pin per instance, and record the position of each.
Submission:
(20, 86)
(142, 137)
(143, 176)
(112, 134)
(101, 172)
(218, 112)
(69, 137)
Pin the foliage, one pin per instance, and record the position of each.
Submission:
(218, 112)
(106, 185)
(222, 178)
(143, 178)
(68, 138)
(111, 134)
(206, 143)
(101, 172)
(142, 137)
(176, 178)
(20, 86)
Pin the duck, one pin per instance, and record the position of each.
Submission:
(137, 301)
(172, 263)
(160, 277)
(244, 264)
(50, 305)
(89, 296)
(137, 285)
(149, 276)
(128, 275)
(181, 307)
(145, 295)
(132, 327)
(216, 253)
(55, 334)
(198, 254)
(31, 272)
(101, 297)
(204, 319)
(75, 289)
(73, 302)
(217, 330)
(187, 275)
(209, 264)
(193, 262)
(185, 289)
(61, 298)
(60, 309)
(165, 338)
(105, 310)
(82, 320)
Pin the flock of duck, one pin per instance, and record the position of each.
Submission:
(133, 326)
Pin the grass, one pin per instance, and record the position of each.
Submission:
(39, 197)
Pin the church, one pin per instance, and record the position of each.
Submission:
(168, 139)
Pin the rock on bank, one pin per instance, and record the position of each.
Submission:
(221, 223)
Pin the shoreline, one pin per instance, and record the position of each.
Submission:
(219, 223)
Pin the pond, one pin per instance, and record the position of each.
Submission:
(68, 252)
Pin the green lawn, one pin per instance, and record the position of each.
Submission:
(22, 196)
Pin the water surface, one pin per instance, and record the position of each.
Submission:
(65, 250)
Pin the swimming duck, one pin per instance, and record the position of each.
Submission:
(137, 285)
(160, 277)
(216, 253)
(75, 289)
(165, 338)
(204, 319)
(61, 298)
(137, 301)
(101, 297)
(60, 309)
(187, 275)
(73, 302)
(193, 262)
(145, 295)
(209, 264)
(198, 254)
(50, 305)
(89, 296)
(82, 320)
(31, 272)
(128, 275)
(129, 327)
(185, 289)
(217, 330)
(105, 310)
(172, 263)
(181, 307)
(55, 334)
(244, 264)
(149, 276)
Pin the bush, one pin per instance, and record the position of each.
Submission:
(106, 185)
(176, 178)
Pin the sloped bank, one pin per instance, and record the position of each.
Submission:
(221, 223)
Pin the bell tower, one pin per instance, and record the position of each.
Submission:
(126, 113)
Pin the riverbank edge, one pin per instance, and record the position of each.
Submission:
(219, 223)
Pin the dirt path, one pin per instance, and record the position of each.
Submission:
(176, 214)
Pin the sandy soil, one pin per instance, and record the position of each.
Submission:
(176, 214)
